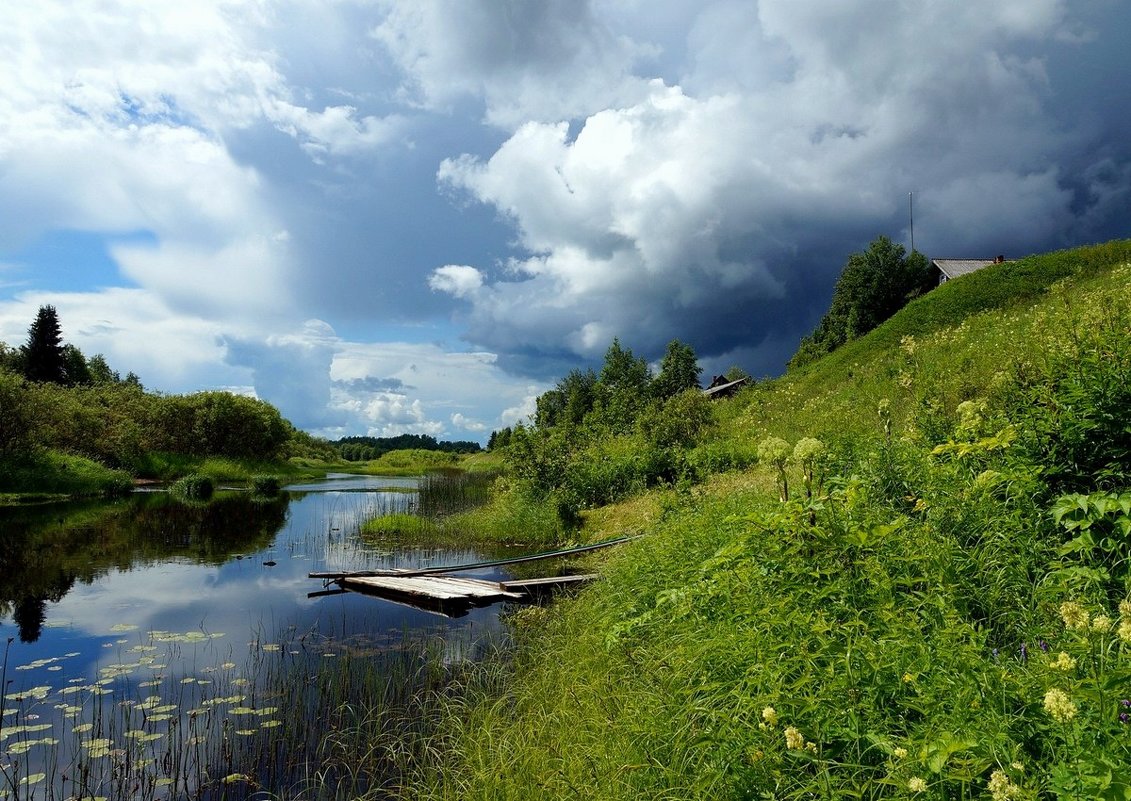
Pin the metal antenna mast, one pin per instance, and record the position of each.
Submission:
(911, 215)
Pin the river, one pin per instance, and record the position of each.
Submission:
(163, 649)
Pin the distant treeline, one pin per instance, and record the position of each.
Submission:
(363, 449)
(54, 398)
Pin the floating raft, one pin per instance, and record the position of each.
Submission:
(430, 588)
(452, 596)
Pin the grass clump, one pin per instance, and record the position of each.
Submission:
(266, 486)
(194, 487)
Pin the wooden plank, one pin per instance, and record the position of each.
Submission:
(548, 582)
(440, 587)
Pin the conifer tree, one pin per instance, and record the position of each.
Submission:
(43, 354)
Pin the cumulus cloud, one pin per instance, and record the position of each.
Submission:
(710, 211)
(543, 60)
(455, 279)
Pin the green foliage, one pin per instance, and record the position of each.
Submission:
(266, 486)
(569, 401)
(874, 285)
(679, 371)
(361, 449)
(16, 416)
(193, 487)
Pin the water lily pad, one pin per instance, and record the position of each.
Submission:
(270, 724)
(246, 732)
(232, 778)
(228, 665)
(82, 728)
(119, 627)
(34, 778)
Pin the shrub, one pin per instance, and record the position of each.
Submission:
(193, 487)
(266, 486)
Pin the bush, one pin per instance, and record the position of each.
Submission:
(266, 486)
(193, 487)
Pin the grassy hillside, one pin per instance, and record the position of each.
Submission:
(938, 608)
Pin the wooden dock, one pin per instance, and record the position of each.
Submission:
(434, 590)
(454, 597)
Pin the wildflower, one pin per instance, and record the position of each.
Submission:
(1101, 623)
(908, 678)
(1124, 631)
(793, 739)
(1125, 608)
(1063, 662)
(1124, 718)
(1017, 766)
(1125, 701)
(811, 748)
(1074, 615)
(900, 753)
(916, 785)
(1024, 651)
(1000, 787)
(770, 715)
(1059, 705)
(807, 450)
(773, 451)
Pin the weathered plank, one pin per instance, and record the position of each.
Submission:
(440, 587)
(547, 582)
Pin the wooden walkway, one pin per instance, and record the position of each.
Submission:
(432, 589)
(454, 597)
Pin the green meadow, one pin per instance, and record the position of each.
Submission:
(901, 571)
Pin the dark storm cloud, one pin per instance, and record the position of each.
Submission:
(722, 212)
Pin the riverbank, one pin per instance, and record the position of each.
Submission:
(916, 592)
(45, 476)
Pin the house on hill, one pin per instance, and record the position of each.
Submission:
(945, 269)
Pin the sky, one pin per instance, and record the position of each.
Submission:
(414, 216)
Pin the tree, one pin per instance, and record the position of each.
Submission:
(43, 353)
(679, 371)
(100, 372)
(873, 286)
(622, 388)
(75, 367)
(569, 401)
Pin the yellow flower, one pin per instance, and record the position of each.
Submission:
(1059, 705)
(1101, 623)
(1001, 789)
(908, 678)
(900, 753)
(770, 715)
(1125, 608)
(1074, 615)
(1063, 662)
(793, 739)
(811, 748)
(1124, 631)
(916, 785)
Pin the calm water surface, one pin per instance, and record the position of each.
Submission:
(141, 628)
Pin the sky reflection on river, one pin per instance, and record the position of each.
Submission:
(151, 595)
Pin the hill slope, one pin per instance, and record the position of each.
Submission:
(935, 611)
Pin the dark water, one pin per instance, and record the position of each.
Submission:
(139, 628)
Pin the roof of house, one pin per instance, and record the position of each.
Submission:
(724, 389)
(952, 268)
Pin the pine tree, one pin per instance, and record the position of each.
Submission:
(43, 354)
